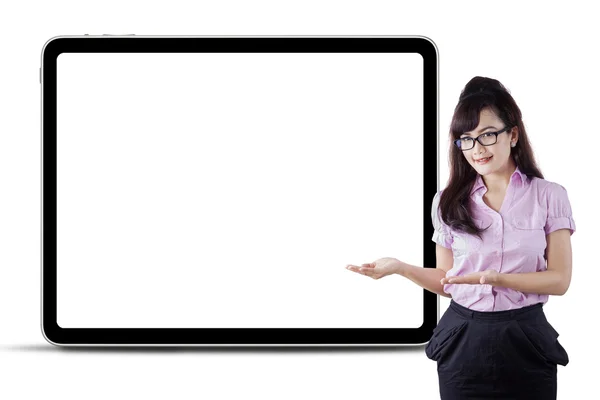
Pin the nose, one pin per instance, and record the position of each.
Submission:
(477, 147)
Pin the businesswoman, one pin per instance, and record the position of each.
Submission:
(503, 246)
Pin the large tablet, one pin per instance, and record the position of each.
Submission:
(210, 191)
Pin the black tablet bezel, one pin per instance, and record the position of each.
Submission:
(232, 44)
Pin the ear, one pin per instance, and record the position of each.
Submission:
(514, 136)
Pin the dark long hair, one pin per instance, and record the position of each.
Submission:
(480, 93)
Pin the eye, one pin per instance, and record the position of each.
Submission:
(488, 134)
(465, 139)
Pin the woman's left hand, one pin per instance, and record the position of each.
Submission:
(489, 277)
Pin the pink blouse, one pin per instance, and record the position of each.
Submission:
(515, 241)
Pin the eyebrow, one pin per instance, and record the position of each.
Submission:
(481, 130)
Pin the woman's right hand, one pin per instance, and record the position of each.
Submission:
(378, 268)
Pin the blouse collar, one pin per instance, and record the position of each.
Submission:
(517, 175)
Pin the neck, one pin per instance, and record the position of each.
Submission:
(498, 181)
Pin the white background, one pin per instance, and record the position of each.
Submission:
(545, 56)
(213, 190)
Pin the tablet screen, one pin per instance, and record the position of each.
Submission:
(230, 190)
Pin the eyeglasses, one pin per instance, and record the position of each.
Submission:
(485, 139)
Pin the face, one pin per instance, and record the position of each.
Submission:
(498, 154)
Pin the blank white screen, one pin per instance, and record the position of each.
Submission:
(211, 190)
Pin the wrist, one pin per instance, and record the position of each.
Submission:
(400, 268)
(498, 279)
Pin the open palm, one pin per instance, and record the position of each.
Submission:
(377, 269)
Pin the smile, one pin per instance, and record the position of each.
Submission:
(483, 160)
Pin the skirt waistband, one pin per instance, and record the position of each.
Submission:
(527, 312)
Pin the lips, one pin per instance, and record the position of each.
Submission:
(483, 161)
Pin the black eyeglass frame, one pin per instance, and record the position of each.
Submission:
(457, 141)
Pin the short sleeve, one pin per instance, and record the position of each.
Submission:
(441, 231)
(560, 215)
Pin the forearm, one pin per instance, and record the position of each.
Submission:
(427, 278)
(543, 282)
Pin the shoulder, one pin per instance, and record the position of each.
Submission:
(554, 198)
(546, 187)
(436, 198)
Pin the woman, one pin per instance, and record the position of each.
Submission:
(503, 245)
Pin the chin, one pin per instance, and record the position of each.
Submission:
(484, 169)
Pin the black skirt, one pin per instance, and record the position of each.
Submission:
(510, 354)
